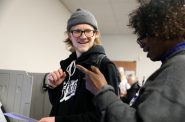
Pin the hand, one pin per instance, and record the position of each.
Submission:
(47, 119)
(56, 78)
(94, 79)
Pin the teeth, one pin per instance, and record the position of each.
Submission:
(82, 42)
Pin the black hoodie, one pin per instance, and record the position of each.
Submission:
(71, 102)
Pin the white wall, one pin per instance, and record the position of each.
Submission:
(124, 47)
(32, 34)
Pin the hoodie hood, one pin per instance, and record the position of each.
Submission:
(95, 50)
(86, 58)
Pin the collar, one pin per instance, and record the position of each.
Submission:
(179, 47)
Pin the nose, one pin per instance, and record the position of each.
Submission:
(83, 35)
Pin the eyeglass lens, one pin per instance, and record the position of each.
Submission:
(141, 38)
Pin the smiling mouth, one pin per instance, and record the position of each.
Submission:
(83, 42)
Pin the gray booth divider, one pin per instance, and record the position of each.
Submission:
(21, 92)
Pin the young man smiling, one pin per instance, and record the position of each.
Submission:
(70, 100)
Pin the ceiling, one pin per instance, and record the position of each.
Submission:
(112, 15)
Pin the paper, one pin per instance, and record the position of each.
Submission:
(20, 117)
(2, 117)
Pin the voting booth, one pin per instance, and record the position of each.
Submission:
(21, 92)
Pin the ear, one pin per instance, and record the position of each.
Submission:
(97, 34)
(69, 35)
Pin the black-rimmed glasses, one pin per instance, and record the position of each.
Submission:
(78, 33)
(141, 38)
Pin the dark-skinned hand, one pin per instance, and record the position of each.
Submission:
(95, 80)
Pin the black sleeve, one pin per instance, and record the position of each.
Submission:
(54, 97)
(111, 74)
(54, 94)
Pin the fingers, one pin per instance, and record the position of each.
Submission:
(47, 119)
(83, 69)
(50, 78)
(88, 72)
(64, 75)
(57, 77)
(60, 72)
(95, 70)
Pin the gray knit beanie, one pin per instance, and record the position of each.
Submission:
(81, 16)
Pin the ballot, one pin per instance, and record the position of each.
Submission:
(2, 117)
(20, 117)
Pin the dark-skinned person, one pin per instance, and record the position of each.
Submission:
(160, 26)
(71, 101)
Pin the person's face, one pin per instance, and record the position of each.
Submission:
(82, 37)
(154, 47)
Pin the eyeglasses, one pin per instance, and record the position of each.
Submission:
(141, 38)
(78, 33)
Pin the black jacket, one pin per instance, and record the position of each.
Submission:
(76, 105)
(161, 99)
